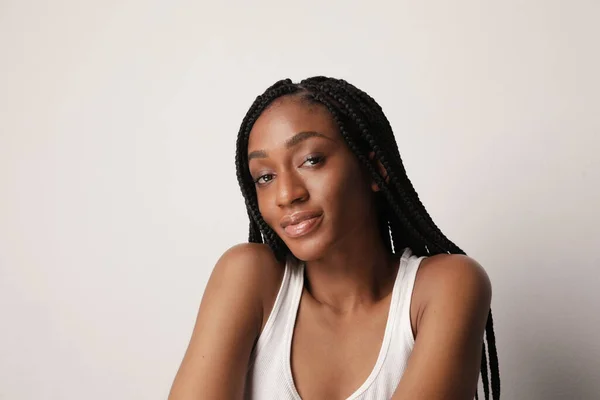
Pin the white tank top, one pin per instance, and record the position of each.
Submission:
(270, 373)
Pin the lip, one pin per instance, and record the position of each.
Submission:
(300, 223)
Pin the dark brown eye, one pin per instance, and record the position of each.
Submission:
(261, 180)
(313, 160)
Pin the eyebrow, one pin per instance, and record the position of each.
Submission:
(291, 142)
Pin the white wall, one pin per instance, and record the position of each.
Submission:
(118, 192)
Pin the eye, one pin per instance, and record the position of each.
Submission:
(263, 179)
(313, 160)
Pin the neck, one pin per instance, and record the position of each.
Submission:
(356, 273)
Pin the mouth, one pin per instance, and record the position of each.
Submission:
(301, 223)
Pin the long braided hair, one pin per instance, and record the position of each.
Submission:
(403, 220)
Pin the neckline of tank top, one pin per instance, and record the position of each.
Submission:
(391, 317)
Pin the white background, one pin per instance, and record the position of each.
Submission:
(118, 192)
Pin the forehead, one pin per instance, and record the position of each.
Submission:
(286, 117)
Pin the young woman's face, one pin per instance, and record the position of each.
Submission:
(311, 189)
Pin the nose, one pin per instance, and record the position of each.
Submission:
(290, 189)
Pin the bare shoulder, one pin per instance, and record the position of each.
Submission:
(456, 280)
(228, 323)
(453, 272)
(250, 269)
(454, 294)
(249, 261)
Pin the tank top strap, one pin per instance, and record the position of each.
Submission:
(406, 283)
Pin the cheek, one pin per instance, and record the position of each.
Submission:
(344, 193)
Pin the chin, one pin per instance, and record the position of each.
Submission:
(309, 249)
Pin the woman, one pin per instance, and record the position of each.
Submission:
(347, 289)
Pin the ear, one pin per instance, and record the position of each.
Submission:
(379, 166)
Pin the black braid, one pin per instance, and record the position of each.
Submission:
(494, 366)
(257, 224)
(403, 184)
(404, 221)
(484, 374)
(406, 204)
(399, 213)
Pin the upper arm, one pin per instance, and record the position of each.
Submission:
(446, 358)
(228, 322)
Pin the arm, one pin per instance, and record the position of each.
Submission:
(455, 296)
(228, 323)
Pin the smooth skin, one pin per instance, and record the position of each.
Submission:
(300, 163)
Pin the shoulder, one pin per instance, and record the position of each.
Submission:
(228, 323)
(250, 261)
(247, 258)
(457, 281)
(249, 271)
(454, 294)
(453, 271)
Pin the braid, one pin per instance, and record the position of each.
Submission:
(404, 221)
(403, 185)
(258, 226)
(494, 367)
(254, 235)
(363, 158)
(484, 374)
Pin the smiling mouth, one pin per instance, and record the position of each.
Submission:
(301, 224)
